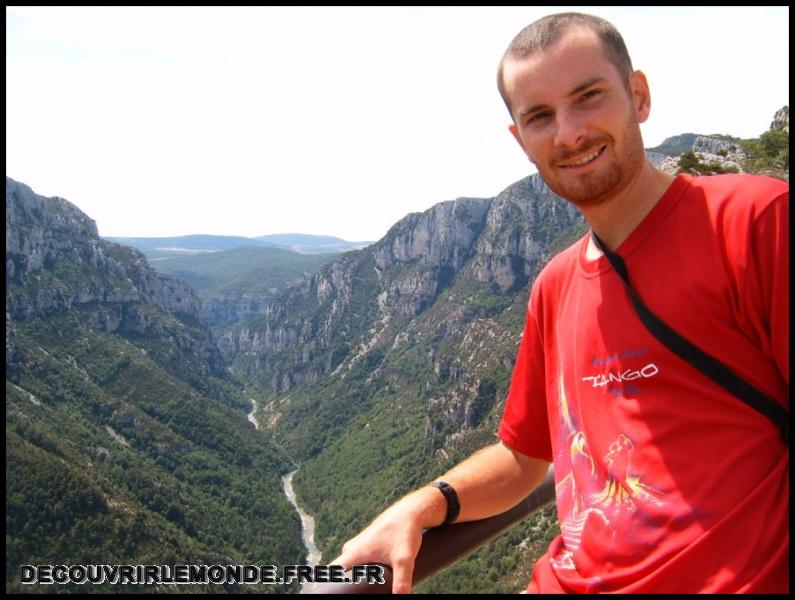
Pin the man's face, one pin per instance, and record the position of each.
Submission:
(575, 118)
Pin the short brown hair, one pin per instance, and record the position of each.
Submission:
(547, 30)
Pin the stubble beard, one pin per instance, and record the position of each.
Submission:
(591, 189)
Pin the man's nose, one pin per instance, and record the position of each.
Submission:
(570, 129)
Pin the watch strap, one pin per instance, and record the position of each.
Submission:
(453, 505)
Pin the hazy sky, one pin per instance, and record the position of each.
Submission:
(323, 120)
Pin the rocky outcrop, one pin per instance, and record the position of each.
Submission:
(440, 236)
(521, 223)
(723, 151)
(781, 120)
(40, 229)
(673, 146)
(54, 248)
(716, 145)
(420, 254)
(56, 262)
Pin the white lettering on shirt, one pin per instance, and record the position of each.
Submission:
(602, 380)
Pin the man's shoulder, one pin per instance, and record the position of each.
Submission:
(740, 189)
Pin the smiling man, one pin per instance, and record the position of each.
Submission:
(667, 479)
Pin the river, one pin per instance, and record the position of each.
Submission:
(307, 522)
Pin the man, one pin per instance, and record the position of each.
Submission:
(665, 482)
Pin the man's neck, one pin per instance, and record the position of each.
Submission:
(613, 221)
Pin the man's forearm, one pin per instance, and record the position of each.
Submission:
(488, 483)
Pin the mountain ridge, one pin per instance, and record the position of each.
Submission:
(197, 243)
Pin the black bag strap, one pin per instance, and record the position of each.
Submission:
(711, 367)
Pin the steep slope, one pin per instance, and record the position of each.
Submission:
(392, 362)
(124, 430)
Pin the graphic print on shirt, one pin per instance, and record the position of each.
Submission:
(598, 493)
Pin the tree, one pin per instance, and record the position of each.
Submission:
(769, 154)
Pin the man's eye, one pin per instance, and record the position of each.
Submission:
(538, 117)
(591, 94)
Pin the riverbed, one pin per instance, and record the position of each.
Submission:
(307, 521)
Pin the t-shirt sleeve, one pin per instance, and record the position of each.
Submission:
(524, 425)
(770, 268)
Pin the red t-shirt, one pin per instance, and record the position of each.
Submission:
(665, 482)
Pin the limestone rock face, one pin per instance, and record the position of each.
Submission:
(38, 229)
(442, 235)
(521, 223)
(781, 120)
(721, 150)
(53, 235)
(56, 262)
(705, 144)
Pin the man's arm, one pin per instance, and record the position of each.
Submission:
(488, 483)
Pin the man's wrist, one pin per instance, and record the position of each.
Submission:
(426, 506)
(451, 498)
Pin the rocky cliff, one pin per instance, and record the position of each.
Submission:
(56, 262)
(724, 151)
(675, 145)
(781, 120)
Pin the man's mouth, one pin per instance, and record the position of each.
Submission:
(590, 157)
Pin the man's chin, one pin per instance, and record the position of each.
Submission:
(587, 200)
(582, 197)
(588, 191)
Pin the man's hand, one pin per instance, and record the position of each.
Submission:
(394, 537)
(489, 482)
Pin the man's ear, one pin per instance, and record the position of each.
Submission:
(515, 132)
(641, 96)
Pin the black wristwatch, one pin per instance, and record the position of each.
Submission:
(453, 506)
